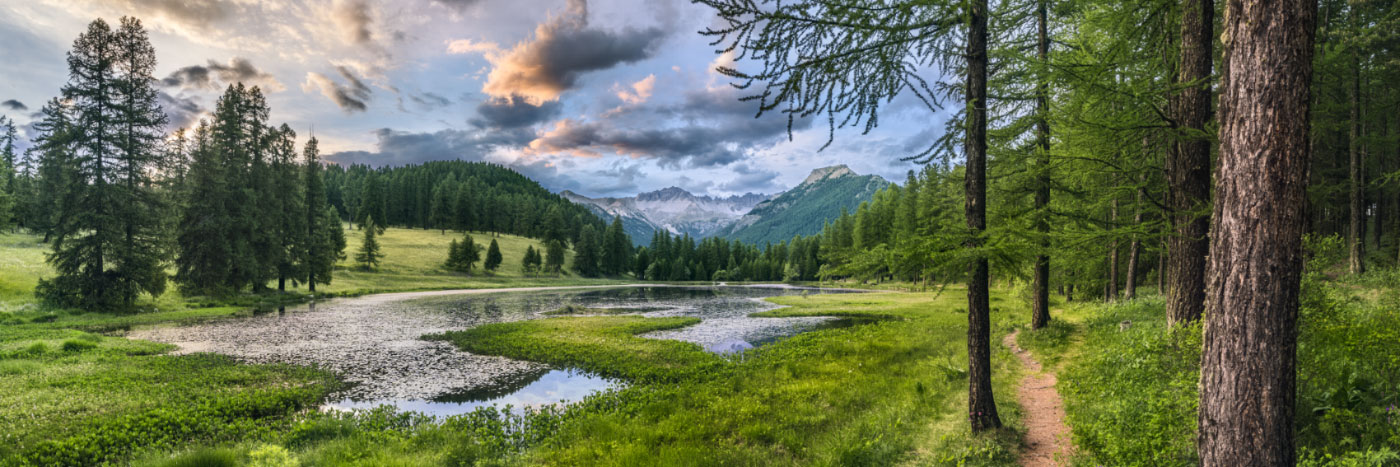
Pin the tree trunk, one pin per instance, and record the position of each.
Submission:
(982, 409)
(1040, 304)
(1111, 293)
(1162, 269)
(1134, 249)
(1188, 168)
(1248, 367)
(281, 283)
(1354, 234)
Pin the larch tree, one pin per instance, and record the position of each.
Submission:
(287, 201)
(554, 257)
(587, 252)
(53, 149)
(104, 249)
(324, 241)
(205, 249)
(493, 257)
(1248, 366)
(1188, 164)
(369, 255)
(841, 60)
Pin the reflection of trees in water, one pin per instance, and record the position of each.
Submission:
(503, 387)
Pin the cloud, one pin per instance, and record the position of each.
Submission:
(430, 100)
(353, 96)
(562, 49)
(216, 75)
(354, 20)
(193, 14)
(710, 128)
(14, 105)
(458, 4)
(751, 180)
(639, 92)
(512, 112)
(401, 147)
(182, 112)
(677, 147)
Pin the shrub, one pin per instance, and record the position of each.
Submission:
(78, 345)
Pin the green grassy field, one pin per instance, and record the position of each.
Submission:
(412, 261)
(890, 390)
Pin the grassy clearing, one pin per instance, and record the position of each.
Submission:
(893, 391)
(77, 398)
(606, 345)
(413, 261)
(73, 392)
(890, 392)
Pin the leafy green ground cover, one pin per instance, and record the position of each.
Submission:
(1131, 391)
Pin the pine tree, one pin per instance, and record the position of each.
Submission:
(554, 257)
(205, 249)
(107, 248)
(530, 263)
(617, 254)
(324, 239)
(373, 202)
(288, 200)
(493, 256)
(440, 213)
(586, 252)
(462, 256)
(369, 254)
(8, 167)
(265, 212)
(464, 209)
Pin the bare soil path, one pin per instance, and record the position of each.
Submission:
(1047, 440)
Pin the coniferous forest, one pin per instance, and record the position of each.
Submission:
(1128, 233)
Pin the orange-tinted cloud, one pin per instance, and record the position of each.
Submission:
(538, 70)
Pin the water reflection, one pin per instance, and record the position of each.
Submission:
(536, 389)
(374, 342)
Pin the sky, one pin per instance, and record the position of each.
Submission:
(601, 97)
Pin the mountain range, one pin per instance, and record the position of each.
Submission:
(753, 218)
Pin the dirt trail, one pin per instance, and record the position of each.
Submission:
(1047, 437)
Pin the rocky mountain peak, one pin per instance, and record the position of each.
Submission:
(827, 173)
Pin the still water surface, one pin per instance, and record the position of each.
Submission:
(374, 341)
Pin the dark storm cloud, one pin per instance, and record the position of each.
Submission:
(181, 111)
(563, 49)
(690, 146)
(512, 112)
(399, 147)
(353, 96)
(14, 105)
(715, 130)
(216, 75)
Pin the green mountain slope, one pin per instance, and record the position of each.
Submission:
(805, 208)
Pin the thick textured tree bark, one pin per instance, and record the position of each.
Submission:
(1040, 303)
(1354, 235)
(982, 409)
(1188, 166)
(1248, 366)
(1134, 250)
